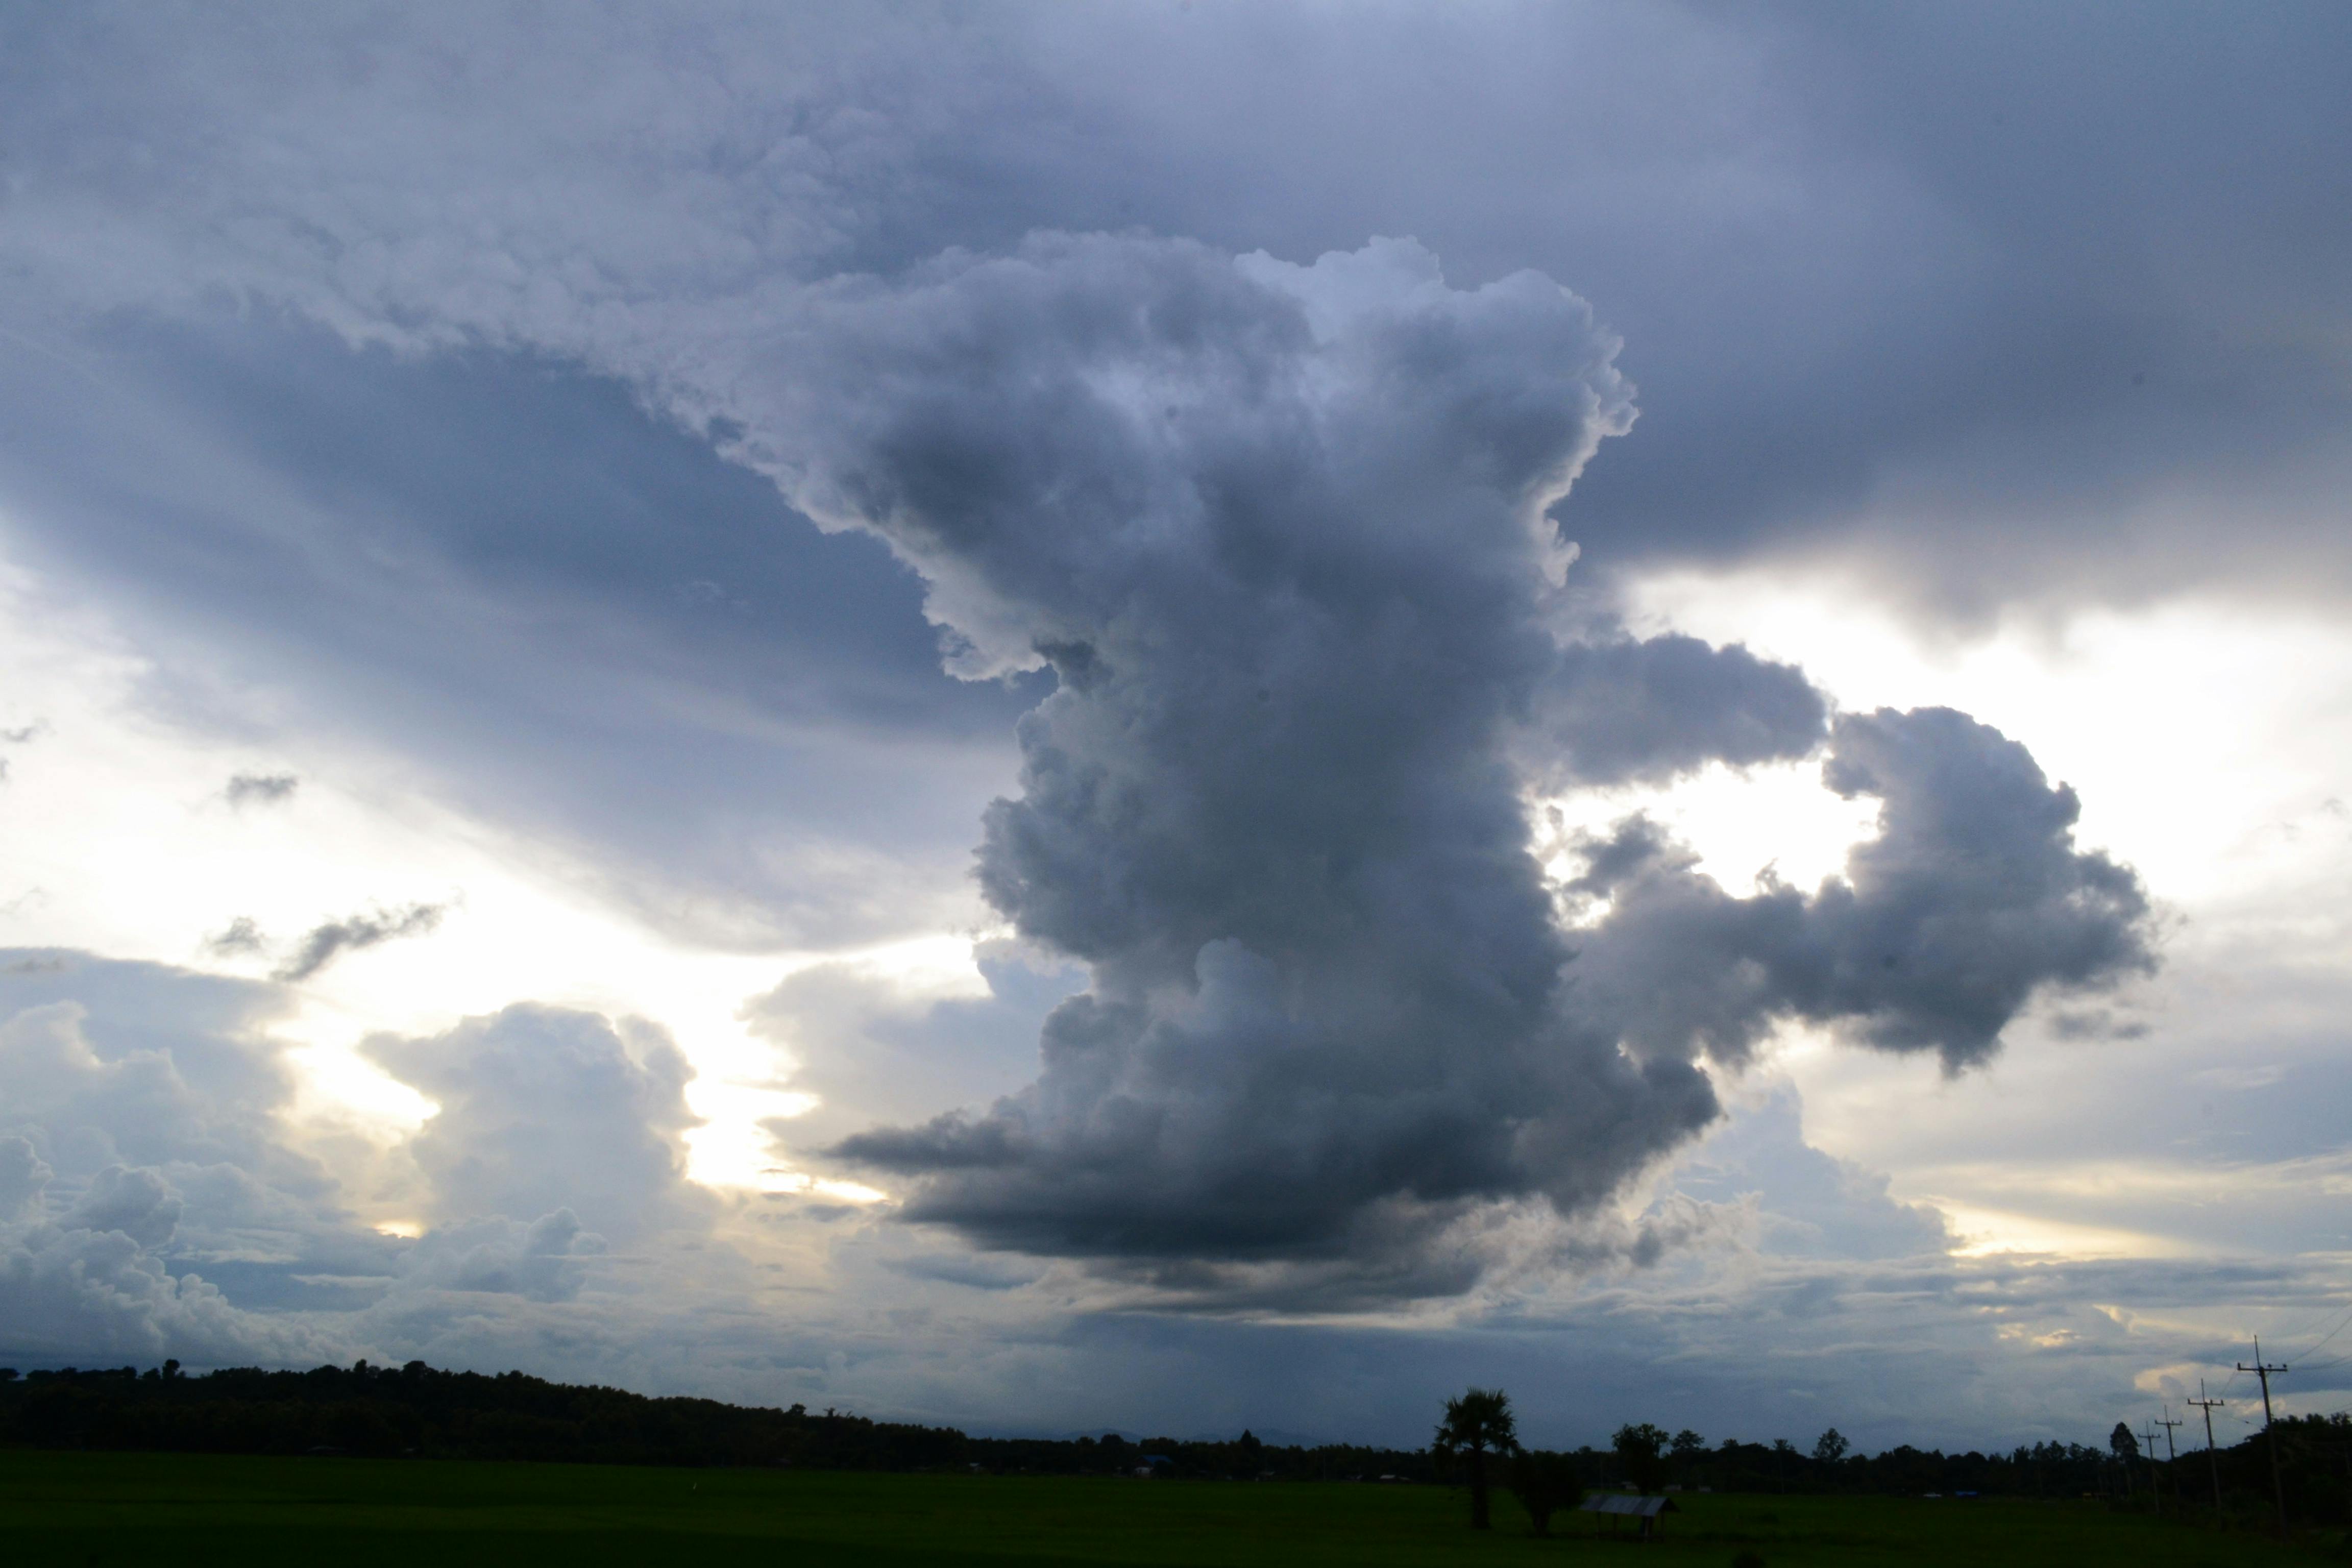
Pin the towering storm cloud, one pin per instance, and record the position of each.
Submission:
(1283, 534)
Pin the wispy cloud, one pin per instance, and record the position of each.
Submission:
(239, 939)
(261, 789)
(326, 943)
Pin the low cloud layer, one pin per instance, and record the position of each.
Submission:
(155, 1199)
(136, 1226)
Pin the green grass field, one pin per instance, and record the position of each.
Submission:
(88, 1508)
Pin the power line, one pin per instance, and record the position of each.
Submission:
(2341, 1324)
(2297, 1332)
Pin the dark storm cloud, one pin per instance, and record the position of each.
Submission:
(1624, 711)
(1972, 899)
(1277, 530)
(326, 943)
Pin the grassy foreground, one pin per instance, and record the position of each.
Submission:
(85, 1509)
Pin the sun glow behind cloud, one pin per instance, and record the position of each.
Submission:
(122, 837)
(2200, 734)
(2207, 740)
(1743, 824)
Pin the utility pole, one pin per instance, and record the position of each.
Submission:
(2154, 1482)
(2171, 1453)
(2209, 1405)
(2262, 1370)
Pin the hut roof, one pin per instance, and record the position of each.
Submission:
(1619, 1503)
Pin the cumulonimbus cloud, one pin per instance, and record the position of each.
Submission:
(1283, 533)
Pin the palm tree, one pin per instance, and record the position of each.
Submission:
(1475, 1425)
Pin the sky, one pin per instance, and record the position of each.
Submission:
(1180, 716)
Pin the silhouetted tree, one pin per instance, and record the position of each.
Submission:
(1687, 1449)
(1830, 1446)
(1544, 1483)
(1641, 1455)
(2126, 1448)
(1477, 1425)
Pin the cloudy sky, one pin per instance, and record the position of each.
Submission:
(1183, 715)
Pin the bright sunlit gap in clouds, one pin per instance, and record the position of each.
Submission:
(1772, 821)
(2206, 740)
(2198, 734)
(124, 836)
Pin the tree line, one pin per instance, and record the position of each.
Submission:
(421, 1411)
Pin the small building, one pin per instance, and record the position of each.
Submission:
(1649, 1511)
